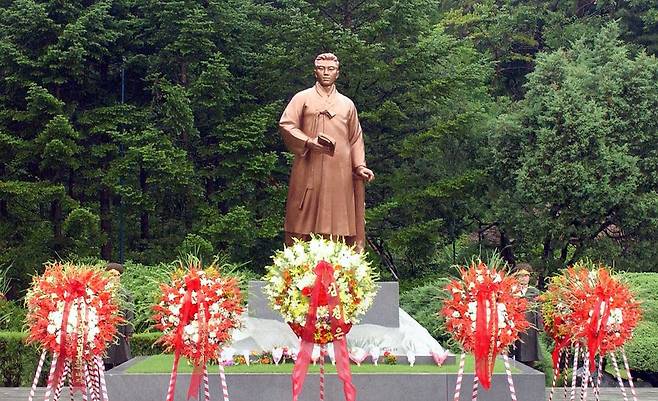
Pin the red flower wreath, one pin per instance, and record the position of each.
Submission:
(73, 312)
(82, 300)
(197, 312)
(557, 311)
(604, 311)
(484, 313)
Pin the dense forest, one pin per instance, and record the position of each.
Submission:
(138, 129)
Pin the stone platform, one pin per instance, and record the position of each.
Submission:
(529, 386)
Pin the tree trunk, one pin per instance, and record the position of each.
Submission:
(547, 256)
(106, 222)
(506, 251)
(4, 207)
(56, 218)
(584, 7)
(71, 180)
(144, 216)
(347, 16)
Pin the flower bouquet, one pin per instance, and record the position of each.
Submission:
(321, 288)
(196, 314)
(73, 313)
(484, 312)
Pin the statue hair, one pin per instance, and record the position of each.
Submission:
(328, 57)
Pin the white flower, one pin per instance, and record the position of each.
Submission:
(190, 328)
(344, 259)
(615, 317)
(307, 280)
(472, 309)
(361, 271)
(93, 332)
(289, 254)
(298, 248)
(174, 309)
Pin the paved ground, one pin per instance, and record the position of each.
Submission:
(607, 394)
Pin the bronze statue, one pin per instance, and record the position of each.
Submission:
(326, 192)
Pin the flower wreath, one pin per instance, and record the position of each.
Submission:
(196, 314)
(556, 310)
(197, 311)
(82, 298)
(596, 309)
(484, 312)
(292, 276)
(73, 312)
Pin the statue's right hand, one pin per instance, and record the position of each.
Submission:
(313, 145)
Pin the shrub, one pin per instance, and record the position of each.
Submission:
(641, 351)
(642, 356)
(142, 283)
(645, 286)
(18, 361)
(12, 316)
(423, 303)
(144, 344)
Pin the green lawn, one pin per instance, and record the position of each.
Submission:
(162, 364)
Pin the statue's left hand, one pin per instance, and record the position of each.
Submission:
(365, 173)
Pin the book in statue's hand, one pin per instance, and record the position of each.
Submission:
(328, 142)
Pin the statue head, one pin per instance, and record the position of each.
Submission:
(326, 69)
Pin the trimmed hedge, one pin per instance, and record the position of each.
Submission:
(18, 361)
(12, 316)
(144, 344)
(641, 349)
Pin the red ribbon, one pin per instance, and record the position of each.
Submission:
(188, 309)
(324, 293)
(485, 338)
(595, 329)
(199, 371)
(74, 289)
(559, 345)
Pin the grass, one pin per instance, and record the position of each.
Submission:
(162, 364)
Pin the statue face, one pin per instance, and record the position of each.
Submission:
(326, 72)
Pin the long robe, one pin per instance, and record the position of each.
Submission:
(324, 197)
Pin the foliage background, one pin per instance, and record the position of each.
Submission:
(132, 130)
